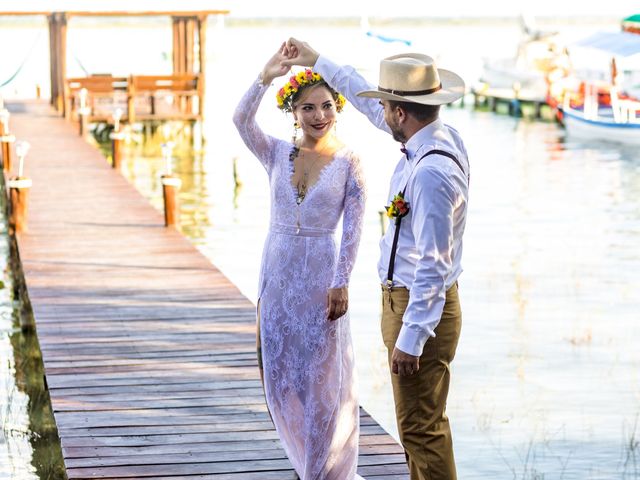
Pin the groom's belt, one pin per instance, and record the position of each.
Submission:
(300, 231)
(386, 288)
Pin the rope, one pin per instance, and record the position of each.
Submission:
(17, 72)
(86, 72)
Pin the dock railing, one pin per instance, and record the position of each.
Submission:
(103, 94)
(142, 97)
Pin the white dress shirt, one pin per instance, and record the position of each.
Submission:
(430, 242)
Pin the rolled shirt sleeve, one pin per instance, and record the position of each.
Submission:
(433, 198)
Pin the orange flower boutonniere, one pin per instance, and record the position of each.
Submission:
(399, 207)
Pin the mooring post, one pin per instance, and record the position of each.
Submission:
(170, 188)
(117, 137)
(83, 113)
(6, 139)
(383, 222)
(515, 108)
(19, 192)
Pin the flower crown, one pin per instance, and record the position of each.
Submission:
(302, 79)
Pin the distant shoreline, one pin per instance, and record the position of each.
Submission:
(352, 21)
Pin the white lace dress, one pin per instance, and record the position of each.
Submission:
(308, 360)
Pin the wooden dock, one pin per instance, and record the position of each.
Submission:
(514, 99)
(148, 349)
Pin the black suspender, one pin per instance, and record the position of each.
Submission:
(396, 234)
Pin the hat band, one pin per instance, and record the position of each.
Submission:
(405, 93)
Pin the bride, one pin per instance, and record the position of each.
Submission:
(302, 310)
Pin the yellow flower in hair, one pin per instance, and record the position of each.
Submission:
(301, 79)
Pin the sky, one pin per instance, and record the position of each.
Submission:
(333, 8)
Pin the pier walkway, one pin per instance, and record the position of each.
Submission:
(148, 349)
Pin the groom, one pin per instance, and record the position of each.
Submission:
(420, 253)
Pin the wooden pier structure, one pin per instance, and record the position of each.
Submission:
(513, 98)
(184, 89)
(148, 349)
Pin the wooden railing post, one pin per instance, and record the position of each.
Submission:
(117, 137)
(116, 149)
(131, 106)
(18, 200)
(83, 112)
(6, 140)
(170, 189)
(19, 192)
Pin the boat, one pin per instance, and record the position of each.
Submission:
(631, 24)
(527, 70)
(604, 60)
(619, 122)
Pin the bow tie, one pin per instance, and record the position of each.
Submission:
(404, 150)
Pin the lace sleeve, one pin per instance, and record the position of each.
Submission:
(354, 203)
(244, 118)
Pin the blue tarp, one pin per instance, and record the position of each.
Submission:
(622, 44)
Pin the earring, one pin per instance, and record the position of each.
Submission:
(296, 126)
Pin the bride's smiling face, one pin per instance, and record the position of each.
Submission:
(315, 111)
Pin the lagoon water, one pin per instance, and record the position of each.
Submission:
(546, 382)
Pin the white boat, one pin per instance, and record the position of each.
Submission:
(618, 123)
(528, 68)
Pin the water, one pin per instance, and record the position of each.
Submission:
(29, 445)
(546, 381)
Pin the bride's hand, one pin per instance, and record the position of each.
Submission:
(337, 302)
(274, 67)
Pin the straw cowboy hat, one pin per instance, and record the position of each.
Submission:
(413, 77)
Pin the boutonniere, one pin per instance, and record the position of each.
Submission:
(399, 207)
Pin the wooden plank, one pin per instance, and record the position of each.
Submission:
(149, 351)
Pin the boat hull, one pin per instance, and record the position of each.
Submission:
(579, 127)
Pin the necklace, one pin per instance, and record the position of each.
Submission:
(303, 183)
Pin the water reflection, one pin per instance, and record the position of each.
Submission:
(30, 448)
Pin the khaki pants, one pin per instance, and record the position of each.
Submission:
(421, 398)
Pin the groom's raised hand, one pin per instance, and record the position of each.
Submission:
(299, 53)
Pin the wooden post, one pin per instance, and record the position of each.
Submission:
(189, 44)
(116, 149)
(181, 67)
(170, 189)
(176, 44)
(18, 198)
(52, 58)
(515, 108)
(189, 58)
(58, 58)
(131, 104)
(383, 221)
(202, 49)
(6, 140)
(83, 122)
(538, 110)
(62, 72)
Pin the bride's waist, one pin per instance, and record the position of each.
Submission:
(300, 231)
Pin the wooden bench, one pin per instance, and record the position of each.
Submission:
(104, 94)
(179, 92)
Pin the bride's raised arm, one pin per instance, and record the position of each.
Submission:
(244, 117)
